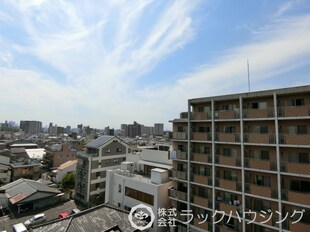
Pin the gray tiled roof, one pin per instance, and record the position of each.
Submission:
(100, 218)
(27, 188)
(99, 141)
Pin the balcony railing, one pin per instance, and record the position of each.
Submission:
(264, 191)
(205, 180)
(298, 168)
(259, 138)
(294, 111)
(200, 115)
(202, 136)
(228, 184)
(203, 201)
(296, 197)
(260, 164)
(179, 175)
(258, 113)
(178, 194)
(179, 135)
(294, 139)
(227, 137)
(227, 114)
(201, 157)
(181, 155)
(228, 160)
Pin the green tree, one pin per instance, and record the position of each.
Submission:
(68, 182)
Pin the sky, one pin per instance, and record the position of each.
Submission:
(105, 63)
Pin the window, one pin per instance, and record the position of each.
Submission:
(119, 188)
(119, 149)
(97, 174)
(303, 158)
(204, 129)
(300, 186)
(97, 185)
(262, 180)
(229, 175)
(227, 151)
(260, 129)
(107, 161)
(295, 102)
(229, 129)
(264, 155)
(140, 196)
(200, 109)
(115, 160)
(301, 129)
(107, 150)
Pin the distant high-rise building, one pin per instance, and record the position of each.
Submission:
(134, 129)
(31, 127)
(68, 129)
(159, 129)
(124, 128)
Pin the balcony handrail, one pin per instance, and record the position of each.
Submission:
(294, 162)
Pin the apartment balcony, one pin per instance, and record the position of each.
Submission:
(205, 180)
(179, 175)
(294, 111)
(227, 208)
(259, 138)
(201, 136)
(179, 135)
(260, 190)
(298, 168)
(227, 137)
(182, 155)
(258, 113)
(260, 164)
(201, 157)
(294, 139)
(228, 160)
(201, 116)
(300, 226)
(199, 222)
(228, 184)
(255, 217)
(227, 114)
(202, 201)
(296, 197)
(178, 194)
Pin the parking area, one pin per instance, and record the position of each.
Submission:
(7, 221)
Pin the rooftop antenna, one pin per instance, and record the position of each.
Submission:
(249, 84)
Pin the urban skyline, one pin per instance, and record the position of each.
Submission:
(119, 62)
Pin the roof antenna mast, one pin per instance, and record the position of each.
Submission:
(249, 84)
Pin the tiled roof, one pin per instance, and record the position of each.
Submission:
(21, 189)
(99, 141)
(100, 218)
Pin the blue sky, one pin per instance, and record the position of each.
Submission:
(109, 62)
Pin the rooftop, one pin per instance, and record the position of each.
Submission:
(67, 164)
(99, 141)
(99, 218)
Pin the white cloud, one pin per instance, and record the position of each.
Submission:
(102, 58)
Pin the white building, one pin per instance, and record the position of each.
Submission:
(62, 170)
(36, 153)
(126, 189)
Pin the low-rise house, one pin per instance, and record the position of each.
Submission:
(59, 173)
(25, 168)
(60, 154)
(25, 194)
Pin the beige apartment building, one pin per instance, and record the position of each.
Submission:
(244, 153)
(102, 154)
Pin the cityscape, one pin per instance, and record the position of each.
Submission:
(159, 116)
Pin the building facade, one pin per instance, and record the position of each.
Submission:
(158, 129)
(31, 127)
(102, 154)
(244, 153)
